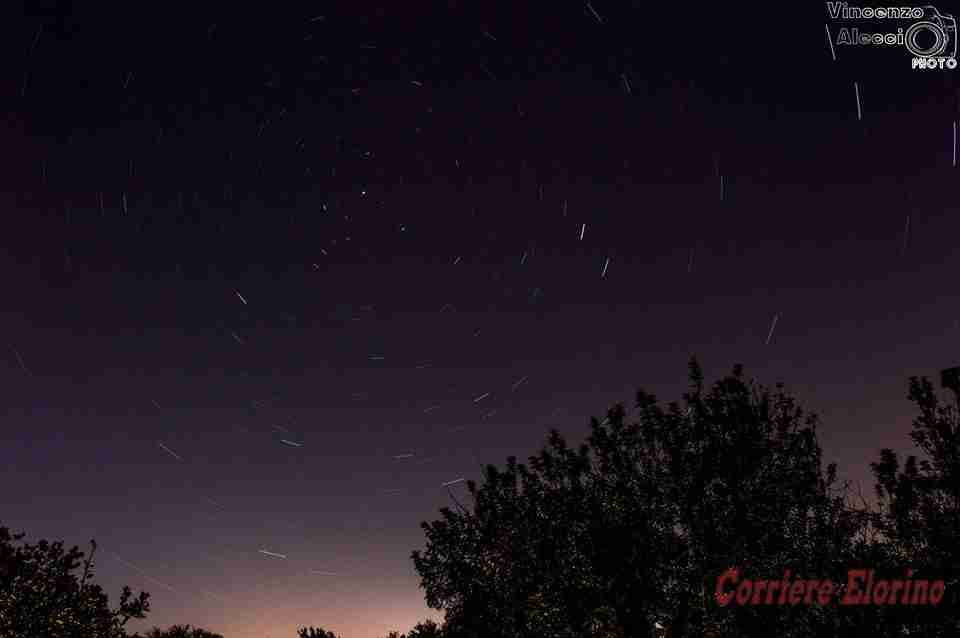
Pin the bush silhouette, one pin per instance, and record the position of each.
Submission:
(41, 597)
(179, 631)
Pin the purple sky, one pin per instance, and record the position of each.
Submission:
(429, 242)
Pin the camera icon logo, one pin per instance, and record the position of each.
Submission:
(942, 27)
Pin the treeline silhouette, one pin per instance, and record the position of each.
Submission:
(627, 535)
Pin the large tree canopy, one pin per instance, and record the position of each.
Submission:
(41, 596)
(632, 529)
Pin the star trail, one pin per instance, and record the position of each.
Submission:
(276, 283)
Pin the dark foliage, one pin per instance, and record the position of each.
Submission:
(315, 632)
(626, 535)
(41, 596)
(629, 532)
(180, 631)
(919, 509)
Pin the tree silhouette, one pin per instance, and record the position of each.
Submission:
(626, 535)
(180, 631)
(633, 528)
(423, 629)
(919, 507)
(315, 632)
(40, 596)
(426, 629)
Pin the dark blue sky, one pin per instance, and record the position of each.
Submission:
(438, 232)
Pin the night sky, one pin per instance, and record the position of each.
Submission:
(271, 276)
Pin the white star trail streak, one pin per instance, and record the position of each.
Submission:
(23, 366)
(594, 12)
(241, 297)
(169, 451)
(518, 383)
(36, 38)
(453, 482)
(772, 326)
(856, 88)
(583, 229)
(291, 443)
(481, 397)
(144, 574)
(833, 53)
(605, 265)
(263, 551)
